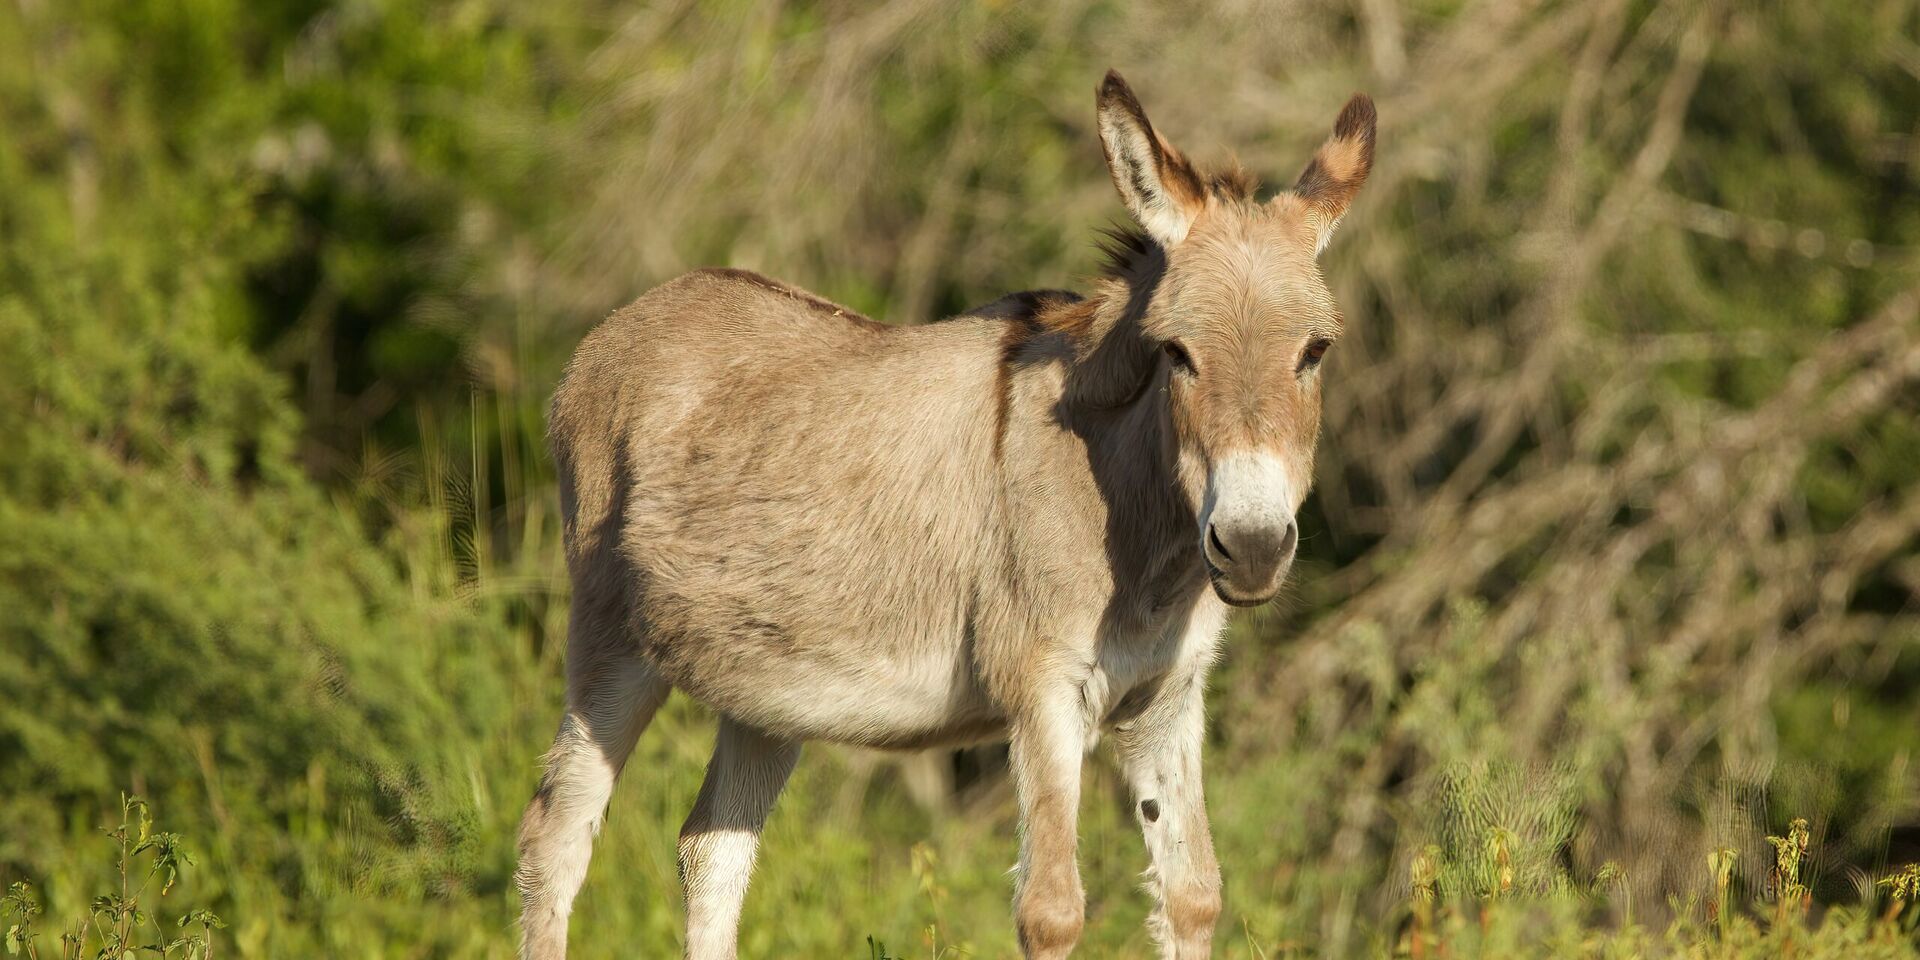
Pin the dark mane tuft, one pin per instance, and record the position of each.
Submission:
(1233, 182)
(1125, 248)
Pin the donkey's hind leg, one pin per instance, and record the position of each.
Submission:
(611, 695)
(717, 843)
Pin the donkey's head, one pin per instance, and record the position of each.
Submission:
(1243, 317)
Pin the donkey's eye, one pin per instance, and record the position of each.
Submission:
(1182, 360)
(1310, 357)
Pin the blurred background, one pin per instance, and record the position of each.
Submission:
(1614, 558)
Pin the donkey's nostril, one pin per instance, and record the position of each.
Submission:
(1213, 537)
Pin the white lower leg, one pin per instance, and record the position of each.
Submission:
(557, 831)
(717, 844)
(556, 838)
(716, 866)
(1161, 754)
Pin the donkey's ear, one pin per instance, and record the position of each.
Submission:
(1338, 169)
(1156, 183)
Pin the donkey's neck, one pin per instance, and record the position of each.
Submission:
(1113, 396)
(1110, 362)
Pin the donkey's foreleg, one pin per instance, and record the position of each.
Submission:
(1160, 751)
(717, 843)
(1048, 747)
(610, 698)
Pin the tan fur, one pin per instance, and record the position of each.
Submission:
(995, 526)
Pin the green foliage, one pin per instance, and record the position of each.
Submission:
(1493, 924)
(116, 925)
(1609, 575)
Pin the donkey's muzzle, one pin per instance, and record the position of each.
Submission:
(1248, 562)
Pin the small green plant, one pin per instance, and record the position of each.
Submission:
(1499, 863)
(1720, 867)
(1789, 893)
(1903, 888)
(1424, 873)
(116, 925)
(924, 862)
(19, 903)
(1611, 882)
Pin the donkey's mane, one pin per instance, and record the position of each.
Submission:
(1127, 253)
(1125, 250)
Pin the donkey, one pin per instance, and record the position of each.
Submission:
(1027, 524)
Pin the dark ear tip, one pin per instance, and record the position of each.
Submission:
(1357, 118)
(1115, 86)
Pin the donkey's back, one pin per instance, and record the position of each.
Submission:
(791, 502)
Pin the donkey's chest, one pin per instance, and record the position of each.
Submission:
(1130, 669)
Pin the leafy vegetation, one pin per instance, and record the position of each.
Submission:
(1611, 572)
(116, 923)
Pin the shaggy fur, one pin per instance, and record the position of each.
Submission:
(1025, 522)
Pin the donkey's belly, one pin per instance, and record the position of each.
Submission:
(894, 698)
